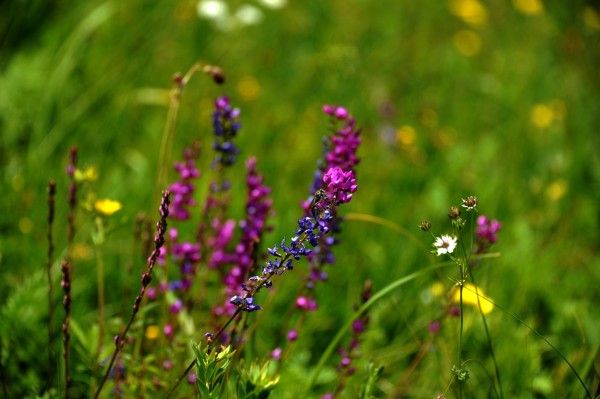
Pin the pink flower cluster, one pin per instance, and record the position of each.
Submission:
(339, 184)
(487, 230)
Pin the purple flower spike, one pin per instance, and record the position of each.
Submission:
(183, 190)
(226, 126)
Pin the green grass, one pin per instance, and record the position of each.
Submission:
(78, 73)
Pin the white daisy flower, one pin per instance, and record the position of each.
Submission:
(445, 244)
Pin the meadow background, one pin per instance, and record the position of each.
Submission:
(494, 98)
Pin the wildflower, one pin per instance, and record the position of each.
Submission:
(434, 327)
(339, 184)
(88, 174)
(469, 203)
(425, 225)
(226, 126)
(454, 212)
(107, 206)
(152, 332)
(276, 353)
(311, 229)
(168, 330)
(486, 230)
(472, 296)
(529, 7)
(191, 378)
(445, 244)
(467, 42)
(292, 335)
(542, 116)
(176, 306)
(183, 189)
(305, 303)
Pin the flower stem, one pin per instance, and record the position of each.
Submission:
(159, 240)
(374, 299)
(50, 256)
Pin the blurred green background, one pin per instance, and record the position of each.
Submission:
(494, 98)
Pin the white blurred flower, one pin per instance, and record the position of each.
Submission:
(212, 9)
(445, 244)
(248, 15)
(273, 3)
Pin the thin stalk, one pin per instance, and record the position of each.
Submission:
(159, 240)
(364, 217)
(179, 83)
(66, 286)
(462, 279)
(50, 256)
(374, 299)
(483, 318)
(100, 270)
(488, 336)
(539, 335)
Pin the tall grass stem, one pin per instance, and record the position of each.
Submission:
(159, 240)
(49, 262)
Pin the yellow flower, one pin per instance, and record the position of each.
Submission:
(469, 297)
(248, 88)
(406, 135)
(556, 190)
(87, 174)
(529, 7)
(470, 11)
(107, 206)
(542, 116)
(81, 251)
(591, 18)
(437, 289)
(152, 332)
(467, 42)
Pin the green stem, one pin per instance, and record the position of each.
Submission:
(374, 299)
(364, 217)
(488, 336)
(539, 335)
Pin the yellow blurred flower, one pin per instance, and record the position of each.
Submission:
(87, 174)
(437, 289)
(556, 190)
(25, 225)
(81, 251)
(248, 88)
(542, 116)
(470, 11)
(467, 42)
(591, 18)
(469, 297)
(152, 332)
(107, 206)
(529, 7)
(406, 135)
